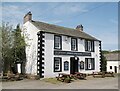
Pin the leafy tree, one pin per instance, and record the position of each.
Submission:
(19, 47)
(103, 63)
(7, 57)
(13, 47)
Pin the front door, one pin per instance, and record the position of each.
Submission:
(73, 65)
(115, 68)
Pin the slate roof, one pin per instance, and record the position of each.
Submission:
(112, 56)
(55, 29)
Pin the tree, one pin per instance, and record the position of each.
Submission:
(19, 47)
(13, 47)
(103, 63)
(7, 57)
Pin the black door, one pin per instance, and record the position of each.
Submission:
(73, 65)
(115, 67)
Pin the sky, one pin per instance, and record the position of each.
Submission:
(99, 19)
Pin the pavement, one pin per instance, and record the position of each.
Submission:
(90, 83)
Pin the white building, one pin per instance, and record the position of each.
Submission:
(113, 62)
(54, 49)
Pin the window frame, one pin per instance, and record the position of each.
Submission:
(111, 67)
(89, 45)
(60, 64)
(92, 64)
(66, 69)
(60, 43)
(82, 68)
(76, 44)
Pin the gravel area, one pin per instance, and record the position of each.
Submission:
(90, 83)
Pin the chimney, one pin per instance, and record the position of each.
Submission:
(79, 28)
(28, 17)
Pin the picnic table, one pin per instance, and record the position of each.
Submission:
(103, 74)
(79, 75)
(98, 74)
(109, 74)
(64, 77)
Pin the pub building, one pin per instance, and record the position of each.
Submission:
(53, 49)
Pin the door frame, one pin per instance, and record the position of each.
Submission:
(74, 65)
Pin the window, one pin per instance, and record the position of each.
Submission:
(57, 64)
(66, 65)
(57, 42)
(89, 63)
(73, 44)
(89, 45)
(110, 67)
(81, 65)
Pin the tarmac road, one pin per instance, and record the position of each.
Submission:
(90, 83)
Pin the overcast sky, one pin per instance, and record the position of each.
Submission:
(100, 19)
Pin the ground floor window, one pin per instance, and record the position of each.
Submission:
(81, 65)
(89, 63)
(57, 64)
(66, 65)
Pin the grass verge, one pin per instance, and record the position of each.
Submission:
(51, 80)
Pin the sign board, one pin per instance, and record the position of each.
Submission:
(58, 52)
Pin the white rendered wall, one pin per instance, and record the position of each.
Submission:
(113, 63)
(30, 33)
(31, 38)
(66, 46)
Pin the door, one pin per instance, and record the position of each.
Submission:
(115, 68)
(73, 65)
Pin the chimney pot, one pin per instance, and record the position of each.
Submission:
(28, 17)
(79, 27)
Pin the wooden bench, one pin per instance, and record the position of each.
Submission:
(109, 74)
(98, 74)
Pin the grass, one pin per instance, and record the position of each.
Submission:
(51, 80)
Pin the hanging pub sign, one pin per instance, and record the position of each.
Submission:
(57, 52)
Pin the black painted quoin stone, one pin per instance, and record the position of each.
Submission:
(40, 60)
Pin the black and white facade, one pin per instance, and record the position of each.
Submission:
(53, 49)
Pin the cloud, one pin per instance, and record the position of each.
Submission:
(70, 8)
(13, 13)
(114, 21)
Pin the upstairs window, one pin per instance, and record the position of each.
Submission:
(74, 44)
(89, 45)
(57, 42)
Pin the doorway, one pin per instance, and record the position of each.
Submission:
(73, 65)
(115, 68)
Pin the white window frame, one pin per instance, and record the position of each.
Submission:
(74, 44)
(57, 42)
(66, 66)
(57, 64)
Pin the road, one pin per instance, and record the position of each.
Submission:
(90, 83)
